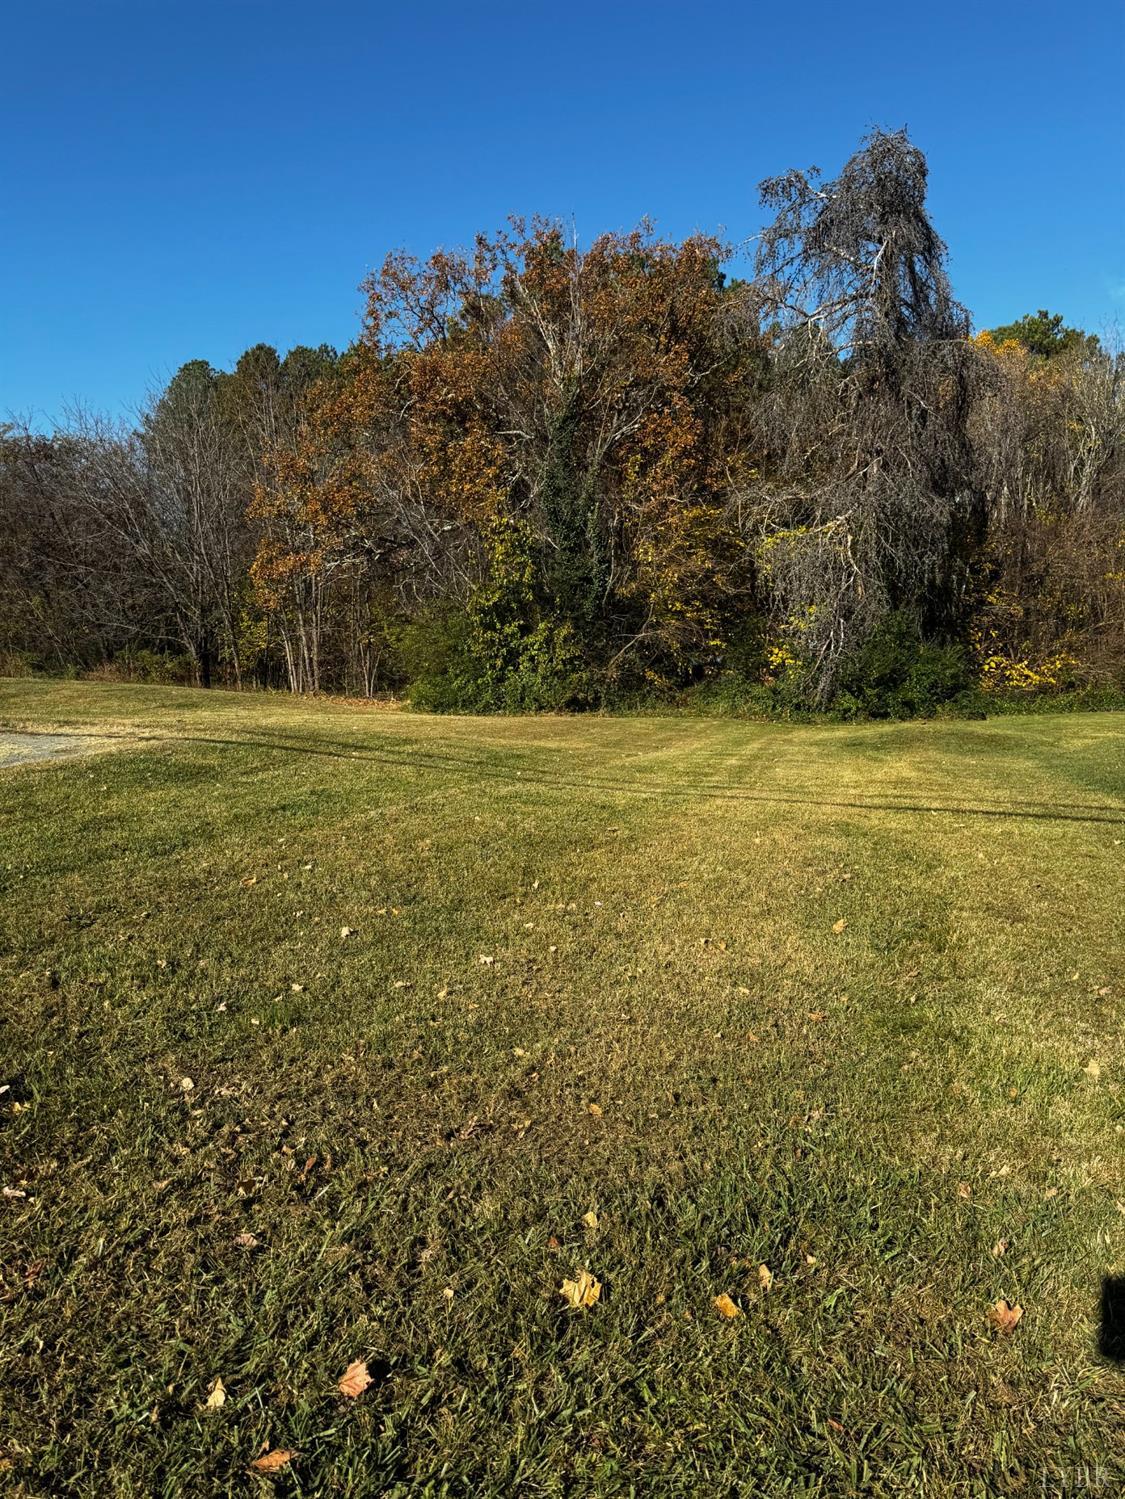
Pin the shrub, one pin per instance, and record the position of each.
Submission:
(897, 674)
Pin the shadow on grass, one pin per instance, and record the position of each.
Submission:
(699, 790)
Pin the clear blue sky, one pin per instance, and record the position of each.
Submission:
(181, 180)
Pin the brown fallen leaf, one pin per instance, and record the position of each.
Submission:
(217, 1397)
(582, 1292)
(355, 1379)
(964, 1190)
(246, 1241)
(273, 1462)
(595, 1109)
(1004, 1316)
(726, 1307)
(818, 1015)
(1000, 1248)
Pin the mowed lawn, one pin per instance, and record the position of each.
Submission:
(337, 1034)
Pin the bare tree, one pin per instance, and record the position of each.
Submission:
(869, 500)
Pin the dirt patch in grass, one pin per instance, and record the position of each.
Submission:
(21, 748)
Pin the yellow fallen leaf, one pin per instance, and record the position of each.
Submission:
(595, 1109)
(765, 1277)
(273, 1462)
(839, 926)
(581, 1292)
(1004, 1316)
(355, 1379)
(590, 1219)
(726, 1307)
(217, 1398)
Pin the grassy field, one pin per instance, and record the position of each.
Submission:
(334, 1034)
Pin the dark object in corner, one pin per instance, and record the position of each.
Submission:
(1111, 1326)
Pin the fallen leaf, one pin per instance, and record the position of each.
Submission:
(250, 880)
(246, 1241)
(765, 1277)
(218, 1396)
(1000, 1248)
(818, 1015)
(839, 926)
(346, 932)
(1004, 1316)
(355, 1379)
(486, 961)
(835, 1425)
(590, 1219)
(1092, 1069)
(273, 1462)
(1051, 1192)
(595, 1109)
(964, 1190)
(726, 1307)
(186, 1085)
(582, 1292)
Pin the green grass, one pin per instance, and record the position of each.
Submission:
(405, 1128)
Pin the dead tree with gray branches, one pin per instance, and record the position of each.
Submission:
(868, 502)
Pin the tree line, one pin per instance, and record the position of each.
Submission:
(548, 476)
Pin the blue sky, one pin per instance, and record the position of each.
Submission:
(181, 180)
